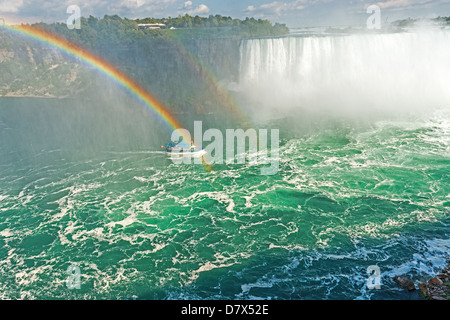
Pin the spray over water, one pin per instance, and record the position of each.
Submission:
(131, 224)
(346, 75)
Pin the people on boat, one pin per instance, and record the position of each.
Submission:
(179, 147)
(171, 145)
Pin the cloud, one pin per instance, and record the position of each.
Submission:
(132, 7)
(55, 10)
(201, 9)
(133, 3)
(409, 4)
(400, 3)
(188, 7)
(10, 6)
(276, 8)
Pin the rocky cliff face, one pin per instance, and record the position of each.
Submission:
(30, 69)
(6, 55)
(187, 75)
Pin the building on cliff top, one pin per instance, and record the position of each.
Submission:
(151, 26)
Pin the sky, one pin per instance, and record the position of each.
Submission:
(293, 13)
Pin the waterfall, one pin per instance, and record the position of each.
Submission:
(358, 72)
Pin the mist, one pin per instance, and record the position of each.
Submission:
(353, 76)
(105, 119)
(304, 78)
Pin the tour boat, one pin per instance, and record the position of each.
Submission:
(185, 153)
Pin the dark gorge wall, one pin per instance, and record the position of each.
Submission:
(187, 75)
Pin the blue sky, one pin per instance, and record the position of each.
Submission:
(292, 12)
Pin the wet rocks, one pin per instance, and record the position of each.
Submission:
(405, 283)
(437, 288)
(435, 282)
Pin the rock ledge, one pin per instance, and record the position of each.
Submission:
(437, 288)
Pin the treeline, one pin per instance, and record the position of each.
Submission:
(442, 20)
(248, 27)
(409, 22)
(174, 64)
(94, 32)
(116, 30)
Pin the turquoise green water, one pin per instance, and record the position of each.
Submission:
(139, 227)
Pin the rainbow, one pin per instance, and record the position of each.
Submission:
(123, 80)
(230, 104)
(101, 65)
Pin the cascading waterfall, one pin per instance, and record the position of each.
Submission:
(81, 186)
(354, 73)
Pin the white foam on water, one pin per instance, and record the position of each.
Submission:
(128, 220)
(6, 233)
(428, 261)
(221, 261)
(219, 196)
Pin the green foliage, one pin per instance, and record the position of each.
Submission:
(412, 22)
(249, 26)
(405, 23)
(442, 20)
(173, 62)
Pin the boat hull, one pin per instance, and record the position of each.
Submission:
(189, 154)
